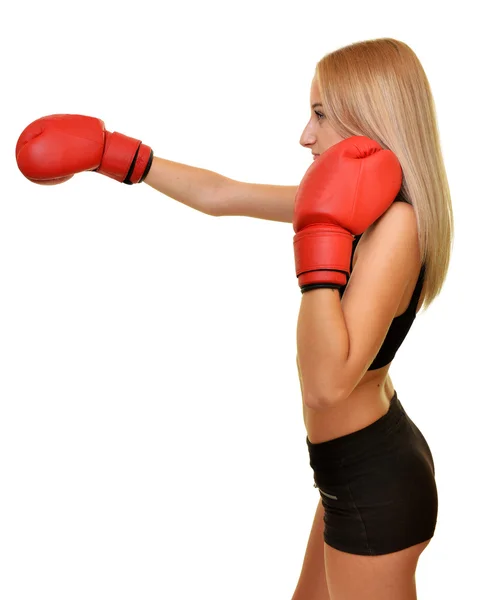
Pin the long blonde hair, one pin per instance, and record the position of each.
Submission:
(379, 89)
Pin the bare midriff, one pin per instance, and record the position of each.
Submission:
(368, 402)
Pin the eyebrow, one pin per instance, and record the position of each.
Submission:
(316, 104)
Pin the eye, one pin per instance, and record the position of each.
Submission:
(319, 115)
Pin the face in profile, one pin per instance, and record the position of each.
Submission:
(318, 134)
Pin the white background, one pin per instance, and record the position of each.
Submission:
(151, 442)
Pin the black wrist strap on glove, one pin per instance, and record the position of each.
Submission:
(315, 286)
(127, 180)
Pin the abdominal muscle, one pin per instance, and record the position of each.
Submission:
(370, 399)
(367, 403)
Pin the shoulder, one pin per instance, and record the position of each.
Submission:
(386, 263)
(396, 231)
(400, 215)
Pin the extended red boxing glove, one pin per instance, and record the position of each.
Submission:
(342, 193)
(54, 148)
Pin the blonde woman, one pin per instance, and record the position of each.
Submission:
(373, 229)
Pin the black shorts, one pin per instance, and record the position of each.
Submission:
(377, 486)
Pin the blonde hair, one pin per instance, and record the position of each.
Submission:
(379, 89)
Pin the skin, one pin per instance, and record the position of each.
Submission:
(327, 573)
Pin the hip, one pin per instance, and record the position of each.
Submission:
(390, 448)
(377, 485)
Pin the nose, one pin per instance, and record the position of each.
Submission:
(307, 138)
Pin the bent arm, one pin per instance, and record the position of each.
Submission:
(219, 196)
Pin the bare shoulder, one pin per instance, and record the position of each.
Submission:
(398, 223)
(394, 233)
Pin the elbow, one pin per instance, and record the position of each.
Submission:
(214, 211)
(322, 401)
(210, 210)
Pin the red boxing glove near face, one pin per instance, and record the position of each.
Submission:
(342, 193)
(52, 149)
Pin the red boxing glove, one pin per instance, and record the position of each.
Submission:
(52, 149)
(342, 193)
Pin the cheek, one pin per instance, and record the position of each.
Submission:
(325, 139)
(328, 138)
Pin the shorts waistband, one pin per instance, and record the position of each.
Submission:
(358, 441)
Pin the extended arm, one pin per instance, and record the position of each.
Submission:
(52, 149)
(216, 195)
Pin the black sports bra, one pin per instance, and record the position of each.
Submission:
(400, 325)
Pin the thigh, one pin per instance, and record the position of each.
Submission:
(384, 577)
(312, 580)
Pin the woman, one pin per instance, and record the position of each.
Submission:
(362, 283)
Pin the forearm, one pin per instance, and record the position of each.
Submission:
(322, 346)
(216, 195)
(192, 186)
